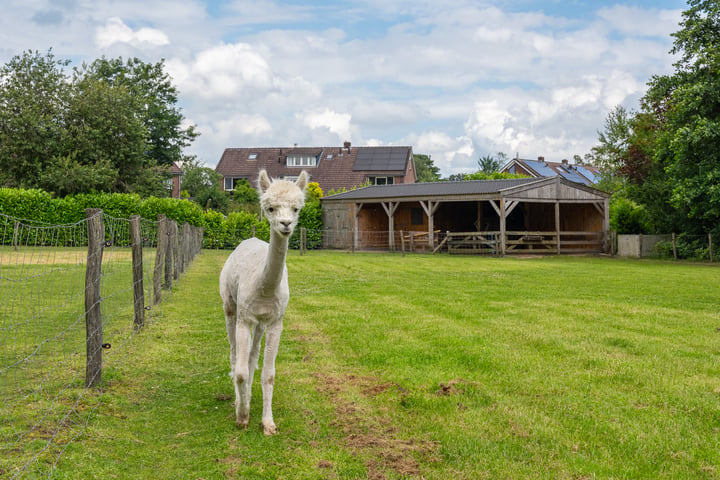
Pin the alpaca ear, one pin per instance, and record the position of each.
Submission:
(302, 180)
(263, 181)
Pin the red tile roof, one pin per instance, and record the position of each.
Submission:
(336, 167)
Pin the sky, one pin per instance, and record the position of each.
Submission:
(454, 79)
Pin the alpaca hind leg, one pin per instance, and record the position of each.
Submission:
(257, 334)
(230, 321)
(241, 375)
(267, 377)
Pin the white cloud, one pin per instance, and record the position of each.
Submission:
(337, 123)
(115, 31)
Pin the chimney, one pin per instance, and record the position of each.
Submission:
(346, 146)
(565, 161)
(541, 159)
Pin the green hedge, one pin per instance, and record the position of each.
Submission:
(37, 207)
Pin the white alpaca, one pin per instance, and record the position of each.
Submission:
(255, 293)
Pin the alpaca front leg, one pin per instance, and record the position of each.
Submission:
(241, 375)
(267, 377)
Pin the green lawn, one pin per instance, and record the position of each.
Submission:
(428, 367)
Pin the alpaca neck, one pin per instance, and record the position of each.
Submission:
(274, 263)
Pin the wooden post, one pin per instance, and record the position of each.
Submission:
(710, 250)
(15, 235)
(137, 270)
(184, 255)
(557, 227)
(169, 254)
(412, 241)
(162, 243)
(402, 242)
(301, 241)
(674, 247)
(93, 322)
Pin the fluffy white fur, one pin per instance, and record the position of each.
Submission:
(255, 293)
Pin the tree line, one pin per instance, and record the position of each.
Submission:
(109, 126)
(662, 161)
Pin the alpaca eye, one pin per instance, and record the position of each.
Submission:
(271, 209)
(295, 209)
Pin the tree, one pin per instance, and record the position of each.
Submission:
(203, 185)
(111, 126)
(34, 97)
(610, 154)
(157, 97)
(488, 164)
(425, 169)
(685, 109)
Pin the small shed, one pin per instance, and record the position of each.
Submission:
(549, 215)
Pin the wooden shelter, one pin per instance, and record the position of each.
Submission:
(551, 215)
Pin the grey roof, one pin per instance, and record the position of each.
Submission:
(381, 158)
(471, 187)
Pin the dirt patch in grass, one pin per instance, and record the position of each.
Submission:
(372, 435)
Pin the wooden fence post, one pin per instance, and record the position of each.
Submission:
(93, 322)
(674, 245)
(185, 247)
(402, 242)
(710, 246)
(15, 235)
(170, 253)
(162, 243)
(137, 270)
(175, 244)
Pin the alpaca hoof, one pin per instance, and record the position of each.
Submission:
(242, 423)
(269, 428)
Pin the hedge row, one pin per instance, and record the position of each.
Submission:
(38, 207)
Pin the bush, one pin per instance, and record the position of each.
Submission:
(33, 206)
(628, 217)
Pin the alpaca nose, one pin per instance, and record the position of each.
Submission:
(286, 223)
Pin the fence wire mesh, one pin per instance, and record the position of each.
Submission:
(44, 401)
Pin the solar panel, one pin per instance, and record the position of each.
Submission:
(381, 158)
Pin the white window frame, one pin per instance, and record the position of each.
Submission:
(301, 161)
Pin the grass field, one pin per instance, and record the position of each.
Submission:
(429, 367)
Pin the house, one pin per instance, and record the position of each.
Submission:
(546, 215)
(176, 172)
(585, 174)
(333, 168)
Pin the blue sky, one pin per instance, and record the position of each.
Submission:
(456, 79)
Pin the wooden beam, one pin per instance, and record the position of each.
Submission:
(557, 226)
(390, 208)
(503, 240)
(356, 230)
(511, 206)
(430, 208)
(497, 209)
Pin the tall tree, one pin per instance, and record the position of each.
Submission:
(159, 112)
(425, 169)
(34, 98)
(685, 108)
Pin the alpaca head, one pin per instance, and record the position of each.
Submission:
(281, 201)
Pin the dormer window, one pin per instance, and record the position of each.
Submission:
(252, 156)
(301, 161)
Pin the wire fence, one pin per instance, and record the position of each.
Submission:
(683, 246)
(50, 370)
